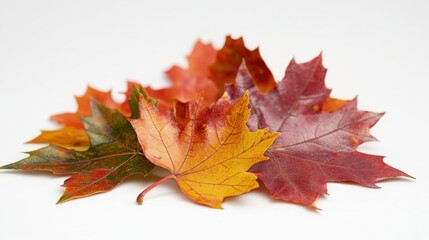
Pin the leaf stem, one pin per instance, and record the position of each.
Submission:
(142, 194)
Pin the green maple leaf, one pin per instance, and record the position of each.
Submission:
(114, 155)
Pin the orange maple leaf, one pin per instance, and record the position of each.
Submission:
(188, 83)
(207, 150)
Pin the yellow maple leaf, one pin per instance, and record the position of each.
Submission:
(68, 137)
(207, 150)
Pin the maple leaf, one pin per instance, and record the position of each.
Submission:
(114, 155)
(228, 60)
(72, 135)
(188, 83)
(207, 150)
(315, 147)
(209, 70)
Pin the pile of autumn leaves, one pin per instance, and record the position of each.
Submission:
(223, 124)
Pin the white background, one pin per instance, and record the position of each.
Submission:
(51, 50)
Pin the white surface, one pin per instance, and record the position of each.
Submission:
(50, 51)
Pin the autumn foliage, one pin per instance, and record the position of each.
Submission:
(224, 124)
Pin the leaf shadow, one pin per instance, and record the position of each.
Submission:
(262, 192)
(32, 173)
(399, 179)
(388, 180)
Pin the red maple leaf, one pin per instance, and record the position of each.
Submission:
(315, 146)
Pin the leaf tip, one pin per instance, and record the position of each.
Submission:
(215, 205)
(246, 95)
(314, 207)
(274, 134)
(62, 200)
(9, 166)
(219, 207)
(320, 57)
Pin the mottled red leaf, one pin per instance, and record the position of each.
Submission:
(314, 147)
